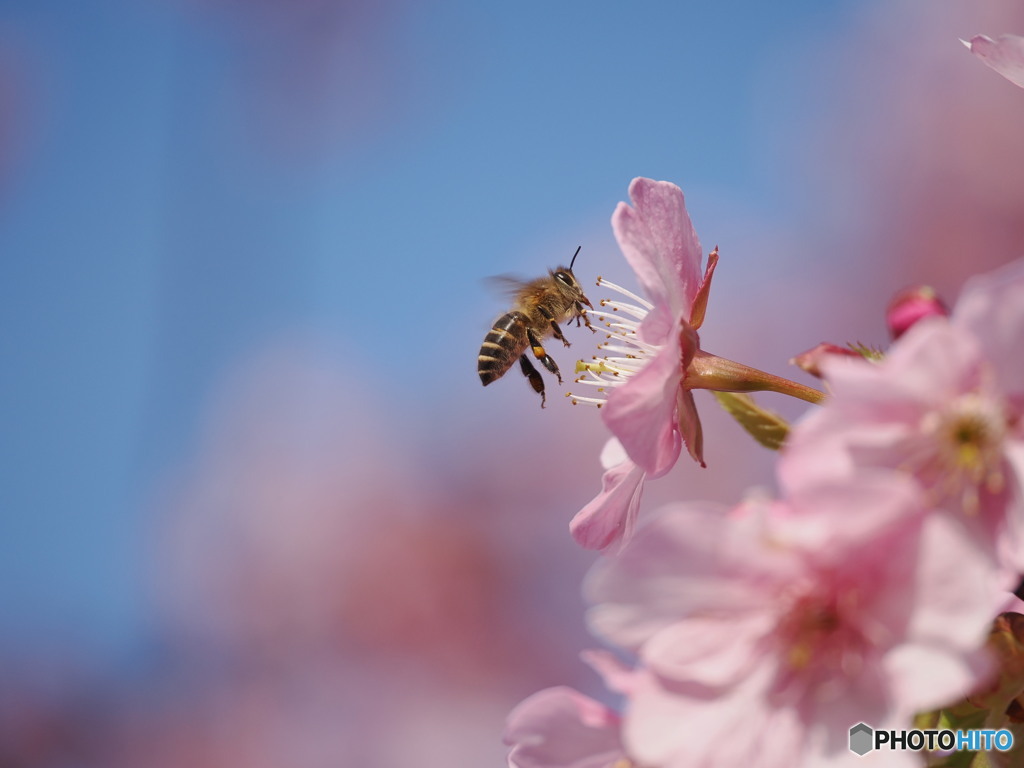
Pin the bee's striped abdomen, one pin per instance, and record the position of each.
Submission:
(503, 344)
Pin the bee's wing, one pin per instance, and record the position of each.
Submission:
(509, 286)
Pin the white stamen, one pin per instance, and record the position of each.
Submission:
(577, 399)
(634, 344)
(616, 348)
(627, 354)
(629, 309)
(629, 294)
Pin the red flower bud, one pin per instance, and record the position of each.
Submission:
(909, 306)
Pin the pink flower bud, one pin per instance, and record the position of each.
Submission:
(909, 306)
(810, 361)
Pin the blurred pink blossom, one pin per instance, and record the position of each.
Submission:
(946, 404)
(927, 169)
(343, 608)
(562, 728)
(1005, 55)
(770, 631)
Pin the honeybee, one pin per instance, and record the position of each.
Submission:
(538, 308)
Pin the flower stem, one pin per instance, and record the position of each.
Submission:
(707, 371)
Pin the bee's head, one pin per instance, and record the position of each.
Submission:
(567, 283)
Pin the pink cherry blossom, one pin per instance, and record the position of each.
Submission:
(651, 413)
(1005, 55)
(766, 634)
(946, 405)
(645, 383)
(611, 516)
(991, 307)
(562, 728)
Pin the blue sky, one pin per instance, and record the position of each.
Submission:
(151, 234)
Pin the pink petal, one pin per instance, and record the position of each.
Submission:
(660, 244)
(679, 725)
(672, 567)
(612, 454)
(642, 413)
(610, 517)
(616, 675)
(1005, 55)
(1011, 604)
(562, 728)
(700, 302)
(991, 307)
(829, 445)
(865, 701)
(690, 428)
(1015, 458)
(945, 612)
(708, 651)
(875, 414)
(831, 519)
(929, 677)
(814, 451)
(931, 363)
(1000, 522)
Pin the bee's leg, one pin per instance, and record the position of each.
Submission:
(535, 379)
(540, 353)
(581, 313)
(554, 326)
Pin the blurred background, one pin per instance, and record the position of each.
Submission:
(255, 507)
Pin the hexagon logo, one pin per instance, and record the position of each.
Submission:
(861, 739)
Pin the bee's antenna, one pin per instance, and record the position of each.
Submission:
(578, 247)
